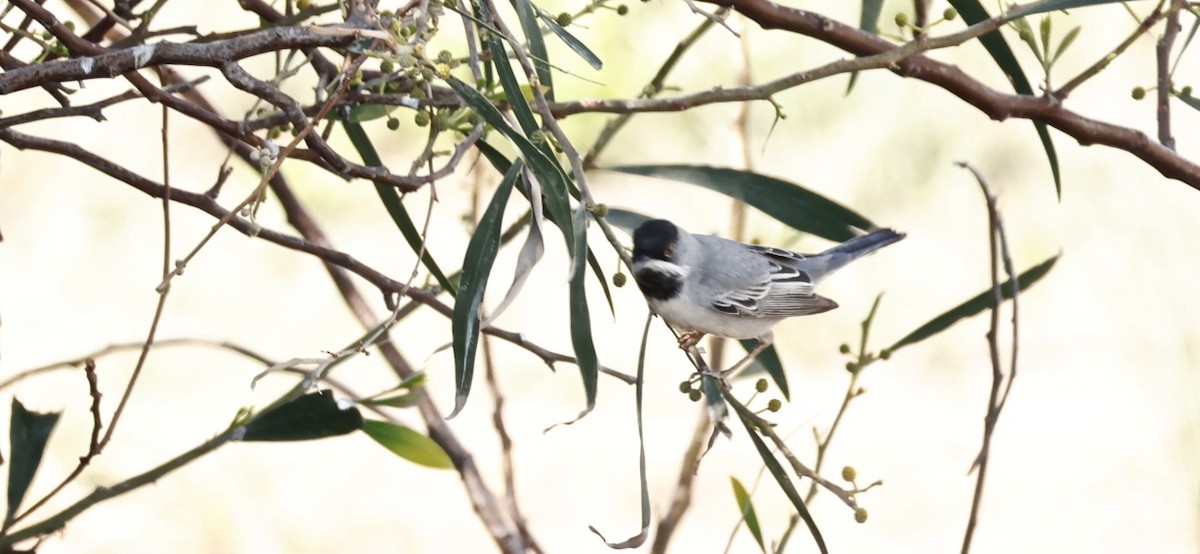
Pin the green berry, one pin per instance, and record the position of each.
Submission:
(393, 123)
(601, 210)
(303, 4)
(563, 19)
(387, 66)
(685, 387)
(848, 473)
(1138, 93)
(860, 515)
(902, 19)
(885, 354)
(844, 348)
(774, 405)
(445, 56)
(1187, 91)
(622, 9)
(950, 14)
(694, 395)
(761, 385)
(422, 119)
(619, 280)
(851, 366)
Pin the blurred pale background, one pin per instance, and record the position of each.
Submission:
(1096, 452)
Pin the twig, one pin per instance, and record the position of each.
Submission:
(1062, 92)
(994, 104)
(1163, 70)
(852, 392)
(999, 249)
(506, 445)
(614, 125)
(768, 430)
(94, 446)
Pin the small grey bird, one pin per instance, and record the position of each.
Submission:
(702, 284)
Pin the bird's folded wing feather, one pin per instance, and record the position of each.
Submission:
(786, 292)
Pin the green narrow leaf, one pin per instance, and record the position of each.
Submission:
(477, 267)
(508, 81)
(28, 433)
(501, 164)
(540, 58)
(537, 45)
(975, 305)
(393, 205)
(792, 204)
(1190, 101)
(626, 220)
(581, 323)
(785, 482)
(1067, 41)
(573, 43)
(361, 112)
(972, 12)
(1053, 6)
(598, 271)
(769, 361)
(408, 444)
(554, 182)
(746, 508)
(315, 415)
(868, 21)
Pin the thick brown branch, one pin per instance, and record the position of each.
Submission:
(997, 105)
(107, 64)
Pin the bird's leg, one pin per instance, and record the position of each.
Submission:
(689, 338)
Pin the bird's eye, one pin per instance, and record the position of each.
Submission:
(669, 252)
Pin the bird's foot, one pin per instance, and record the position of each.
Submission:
(688, 339)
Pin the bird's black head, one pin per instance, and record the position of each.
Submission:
(655, 239)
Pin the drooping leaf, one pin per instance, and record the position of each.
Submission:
(973, 12)
(28, 433)
(554, 181)
(975, 305)
(746, 508)
(769, 361)
(573, 43)
(785, 482)
(408, 444)
(477, 267)
(581, 323)
(393, 205)
(796, 206)
(637, 540)
(532, 250)
(537, 46)
(315, 415)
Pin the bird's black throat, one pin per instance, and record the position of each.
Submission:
(657, 285)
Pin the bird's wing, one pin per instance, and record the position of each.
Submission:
(784, 291)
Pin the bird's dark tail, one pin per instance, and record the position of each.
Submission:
(835, 258)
